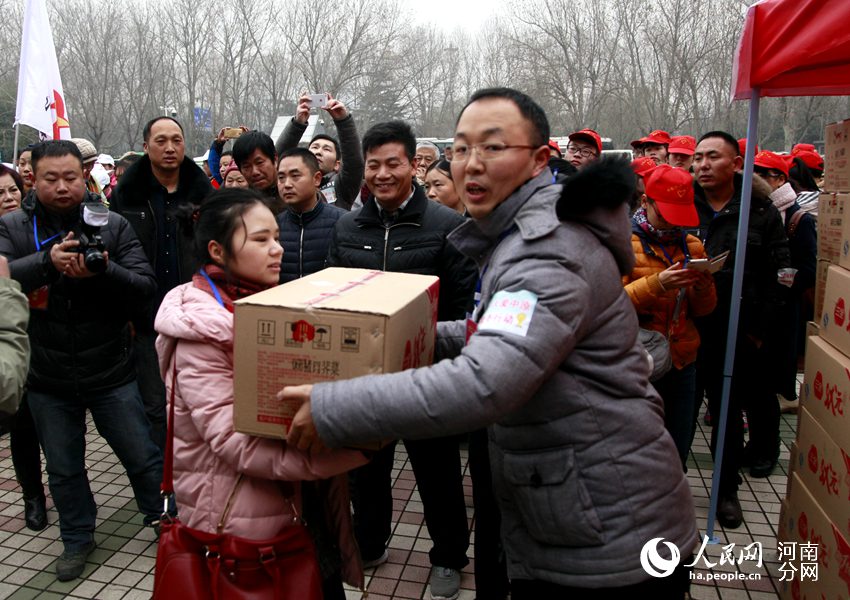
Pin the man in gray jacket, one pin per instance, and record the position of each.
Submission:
(341, 162)
(587, 479)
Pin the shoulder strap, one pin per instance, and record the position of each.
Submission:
(794, 221)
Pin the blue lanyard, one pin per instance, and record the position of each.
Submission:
(39, 244)
(479, 283)
(213, 286)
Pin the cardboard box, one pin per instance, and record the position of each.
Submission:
(820, 288)
(836, 157)
(334, 324)
(834, 323)
(826, 388)
(804, 521)
(823, 464)
(833, 217)
(812, 328)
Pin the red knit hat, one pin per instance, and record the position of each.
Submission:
(672, 191)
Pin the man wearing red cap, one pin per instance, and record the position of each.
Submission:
(666, 294)
(680, 152)
(585, 146)
(655, 145)
(717, 190)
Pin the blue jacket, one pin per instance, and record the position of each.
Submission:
(305, 238)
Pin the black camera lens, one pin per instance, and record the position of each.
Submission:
(95, 260)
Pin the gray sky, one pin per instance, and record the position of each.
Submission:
(451, 14)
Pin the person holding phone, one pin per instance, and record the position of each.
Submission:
(341, 161)
(666, 294)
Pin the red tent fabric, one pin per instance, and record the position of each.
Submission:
(794, 48)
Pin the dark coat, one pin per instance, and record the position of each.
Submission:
(81, 339)
(415, 243)
(305, 238)
(763, 299)
(132, 200)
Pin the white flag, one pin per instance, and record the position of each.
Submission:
(41, 101)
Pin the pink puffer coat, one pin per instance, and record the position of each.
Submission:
(208, 454)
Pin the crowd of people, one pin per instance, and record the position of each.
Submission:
(577, 458)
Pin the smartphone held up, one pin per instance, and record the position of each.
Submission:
(319, 100)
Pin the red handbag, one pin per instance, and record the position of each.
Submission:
(197, 565)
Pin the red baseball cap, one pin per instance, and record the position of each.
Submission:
(672, 190)
(554, 146)
(803, 148)
(643, 166)
(588, 135)
(682, 144)
(771, 160)
(811, 159)
(742, 146)
(656, 136)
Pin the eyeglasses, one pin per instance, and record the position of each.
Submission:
(583, 152)
(489, 151)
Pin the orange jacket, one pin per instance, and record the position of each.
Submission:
(656, 306)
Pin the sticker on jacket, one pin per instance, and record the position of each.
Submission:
(510, 312)
(329, 192)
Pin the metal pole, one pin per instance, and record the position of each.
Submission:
(15, 146)
(735, 308)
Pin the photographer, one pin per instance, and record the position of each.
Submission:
(84, 281)
(341, 162)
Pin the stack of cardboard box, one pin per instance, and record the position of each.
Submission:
(816, 511)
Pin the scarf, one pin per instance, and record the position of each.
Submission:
(666, 237)
(229, 289)
(783, 198)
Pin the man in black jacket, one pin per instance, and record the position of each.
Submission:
(307, 222)
(399, 229)
(158, 195)
(341, 162)
(718, 201)
(80, 337)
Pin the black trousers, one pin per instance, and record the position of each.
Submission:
(751, 390)
(436, 465)
(26, 453)
(150, 385)
(491, 570)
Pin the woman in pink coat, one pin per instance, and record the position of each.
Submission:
(236, 236)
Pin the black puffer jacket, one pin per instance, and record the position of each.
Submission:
(81, 339)
(763, 299)
(305, 238)
(415, 243)
(132, 200)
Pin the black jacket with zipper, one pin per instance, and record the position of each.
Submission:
(79, 328)
(305, 238)
(415, 243)
(132, 200)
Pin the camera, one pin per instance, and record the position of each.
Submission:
(318, 100)
(95, 216)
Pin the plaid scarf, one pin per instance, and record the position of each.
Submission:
(228, 288)
(662, 236)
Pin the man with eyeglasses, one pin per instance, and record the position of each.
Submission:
(549, 360)
(399, 229)
(585, 146)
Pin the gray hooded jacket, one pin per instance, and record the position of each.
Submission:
(583, 470)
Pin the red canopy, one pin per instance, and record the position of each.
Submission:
(794, 48)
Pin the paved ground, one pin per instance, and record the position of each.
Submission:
(122, 566)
